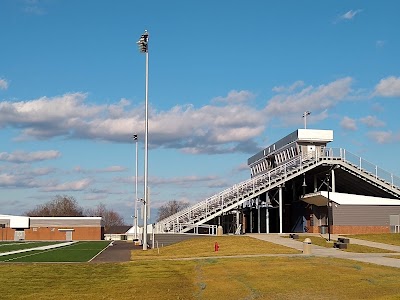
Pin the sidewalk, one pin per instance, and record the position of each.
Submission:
(374, 258)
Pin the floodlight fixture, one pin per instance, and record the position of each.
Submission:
(143, 42)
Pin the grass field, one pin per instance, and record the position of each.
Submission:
(204, 247)
(215, 278)
(289, 277)
(78, 252)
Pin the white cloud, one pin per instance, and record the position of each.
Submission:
(69, 186)
(8, 180)
(111, 169)
(294, 86)
(3, 84)
(291, 107)
(348, 124)
(180, 127)
(350, 14)
(181, 181)
(23, 157)
(23, 176)
(227, 125)
(235, 97)
(383, 137)
(372, 121)
(388, 87)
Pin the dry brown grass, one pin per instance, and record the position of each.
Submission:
(206, 279)
(204, 247)
(386, 238)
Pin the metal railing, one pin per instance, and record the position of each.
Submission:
(187, 219)
(229, 197)
(363, 165)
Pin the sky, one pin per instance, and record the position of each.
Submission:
(226, 79)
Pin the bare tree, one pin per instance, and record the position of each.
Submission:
(170, 208)
(60, 206)
(109, 216)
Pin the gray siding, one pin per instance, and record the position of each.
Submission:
(363, 215)
(64, 223)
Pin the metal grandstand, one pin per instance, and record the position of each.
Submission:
(293, 163)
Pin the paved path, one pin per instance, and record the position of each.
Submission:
(374, 258)
(120, 251)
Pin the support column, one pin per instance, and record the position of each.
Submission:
(315, 184)
(280, 211)
(267, 213)
(251, 218)
(333, 185)
(237, 218)
(258, 215)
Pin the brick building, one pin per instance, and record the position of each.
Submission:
(50, 228)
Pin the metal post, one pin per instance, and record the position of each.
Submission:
(237, 217)
(136, 217)
(305, 114)
(153, 236)
(329, 208)
(315, 184)
(268, 201)
(280, 210)
(251, 218)
(143, 46)
(258, 215)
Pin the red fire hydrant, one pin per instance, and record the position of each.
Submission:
(216, 247)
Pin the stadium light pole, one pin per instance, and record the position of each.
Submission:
(143, 48)
(305, 114)
(135, 220)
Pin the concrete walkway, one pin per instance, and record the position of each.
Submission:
(374, 258)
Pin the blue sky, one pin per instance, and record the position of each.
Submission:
(226, 79)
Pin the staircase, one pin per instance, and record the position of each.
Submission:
(199, 214)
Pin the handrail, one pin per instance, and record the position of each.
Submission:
(363, 165)
(233, 191)
(186, 218)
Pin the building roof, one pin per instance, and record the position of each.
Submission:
(321, 199)
(117, 229)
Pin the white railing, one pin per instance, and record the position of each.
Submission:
(186, 219)
(227, 198)
(363, 165)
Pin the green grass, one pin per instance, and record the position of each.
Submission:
(204, 247)
(224, 278)
(78, 252)
(386, 238)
